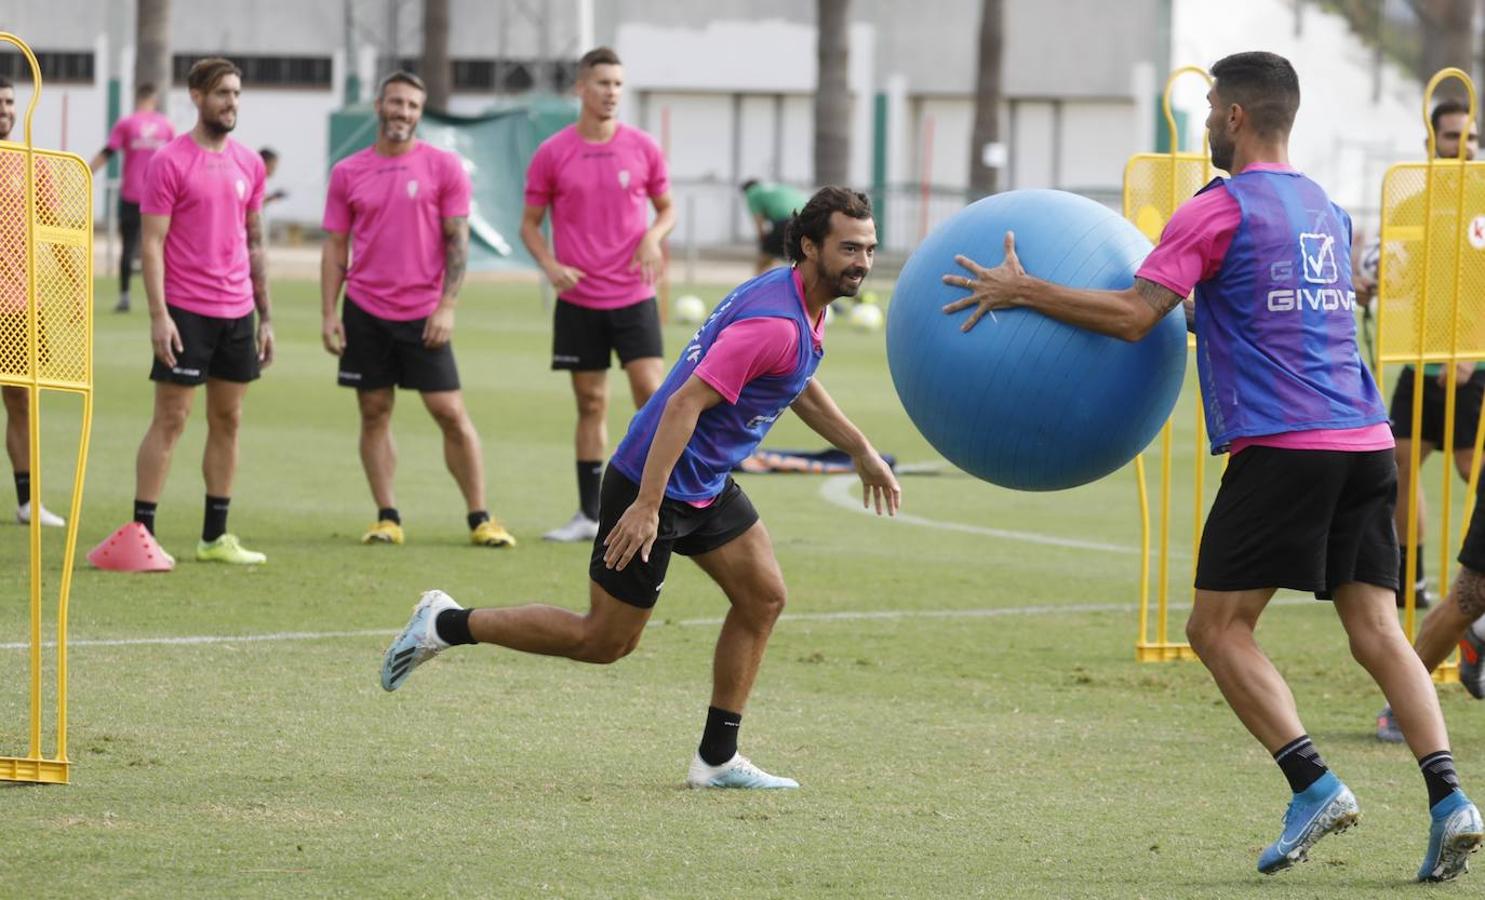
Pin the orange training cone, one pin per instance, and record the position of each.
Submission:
(131, 549)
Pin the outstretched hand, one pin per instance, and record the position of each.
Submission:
(990, 289)
(878, 484)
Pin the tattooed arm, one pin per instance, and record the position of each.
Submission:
(1129, 314)
(440, 325)
(258, 268)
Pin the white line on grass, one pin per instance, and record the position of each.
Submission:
(838, 489)
(1048, 609)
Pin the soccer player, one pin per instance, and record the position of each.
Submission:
(771, 206)
(13, 290)
(139, 136)
(595, 177)
(1306, 501)
(205, 272)
(1449, 119)
(667, 489)
(405, 205)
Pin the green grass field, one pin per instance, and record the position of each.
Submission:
(955, 691)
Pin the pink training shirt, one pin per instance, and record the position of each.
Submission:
(598, 194)
(394, 207)
(138, 137)
(207, 197)
(752, 348)
(1192, 248)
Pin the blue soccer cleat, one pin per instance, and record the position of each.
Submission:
(418, 642)
(1325, 807)
(1455, 834)
(737, 772)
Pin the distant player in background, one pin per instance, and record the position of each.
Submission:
(599, 178)
(404, 205)
(138, 136)
(270, 166)
(667, 489)
(771, 206)
(205, 272)
(13, 303)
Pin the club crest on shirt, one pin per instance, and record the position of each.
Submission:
(412, 188)
(241, 187)
(624, 179)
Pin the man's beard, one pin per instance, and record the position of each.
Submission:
(216, 128)
(1222, 157)
(841, 283)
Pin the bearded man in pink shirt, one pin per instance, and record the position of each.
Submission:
(595, 177)
(205, 272)
(138, 136)
(405, 205)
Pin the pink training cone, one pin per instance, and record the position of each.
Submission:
(131, 549)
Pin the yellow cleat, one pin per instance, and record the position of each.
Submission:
(491, 533)
(384, 532)
(228, 549)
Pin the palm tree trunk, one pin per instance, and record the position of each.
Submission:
(833, 93)
(152, 46)
(982, 177)
(437, 70)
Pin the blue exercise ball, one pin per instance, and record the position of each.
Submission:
(1025, 401)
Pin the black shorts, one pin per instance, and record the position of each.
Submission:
(1467, 399)
(382, 353)
(213, 348)
(584, 340)
(772, 242)
(684, 529)
(1309, 520)
(129, 218)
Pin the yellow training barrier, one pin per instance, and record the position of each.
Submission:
(1154, 185)
(46, 343)
(1431, 306)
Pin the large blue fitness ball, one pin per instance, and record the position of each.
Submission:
(1023, 400)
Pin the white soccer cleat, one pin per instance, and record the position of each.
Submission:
(48, 518)
(737, 772)
(578, 528)
(418, 642)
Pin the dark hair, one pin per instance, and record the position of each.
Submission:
(1449, 107)
(598, 56)
(205, 73)
(6, 82)
(748, 185)
(268, 154)
(813, 221)
(1264, 85)
(401, 76)
(144, 91)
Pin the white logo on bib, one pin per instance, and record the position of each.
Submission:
(412, 188)
(241, 188)
(624, 179)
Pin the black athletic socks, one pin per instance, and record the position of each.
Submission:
(214, 525)
(1439, 775)
(22, 488)
(389, 514)
(590, 483)
(1301, 763)
(452, 626)
(144, 514)
(477, 517)
(719, 740)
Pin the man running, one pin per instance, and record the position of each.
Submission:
(667, 489)
(138, 136)
(405, 204)
(205, 272)
(1306, 501)
(595, 177)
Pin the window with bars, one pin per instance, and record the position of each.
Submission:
(57, 66)
(267, 71)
